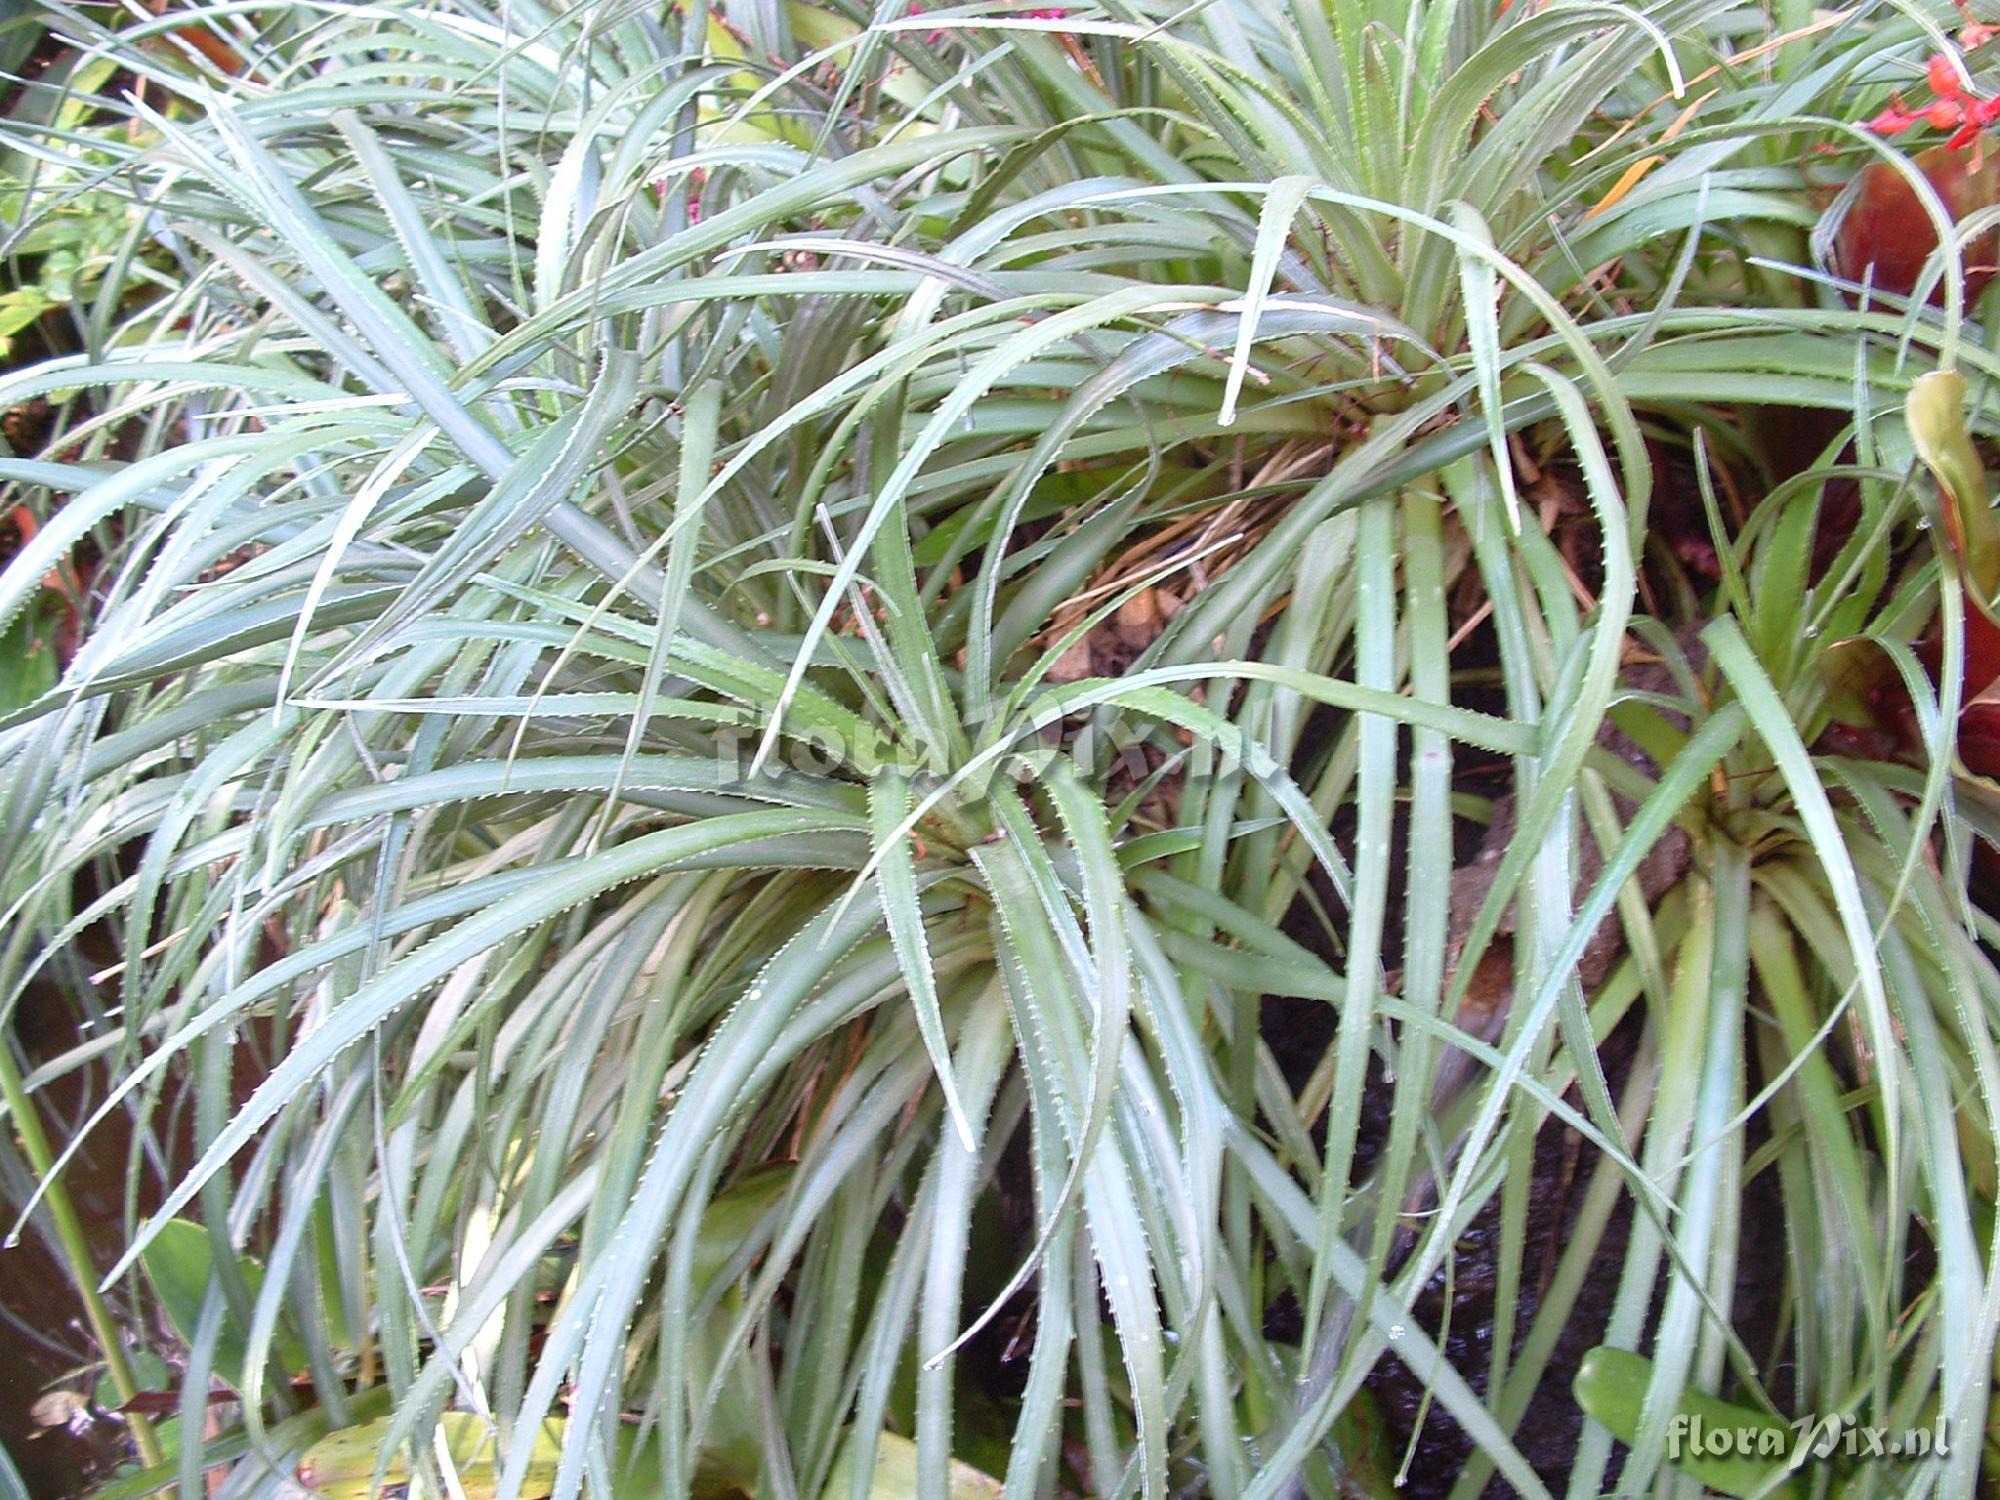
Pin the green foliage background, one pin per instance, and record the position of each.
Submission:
(495, 420)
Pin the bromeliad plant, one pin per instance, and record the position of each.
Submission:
(583, 708)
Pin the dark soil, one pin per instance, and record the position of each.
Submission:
(51, 1344)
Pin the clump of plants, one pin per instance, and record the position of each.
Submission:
(976, 750)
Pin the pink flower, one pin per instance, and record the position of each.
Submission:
(699, 177)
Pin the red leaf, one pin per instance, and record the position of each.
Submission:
(1886, 236)
(1979, 738)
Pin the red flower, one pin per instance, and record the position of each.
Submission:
(931, 38)
(1978, 115)
(1973, 33)
(1956, 108)
(1896, 119)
